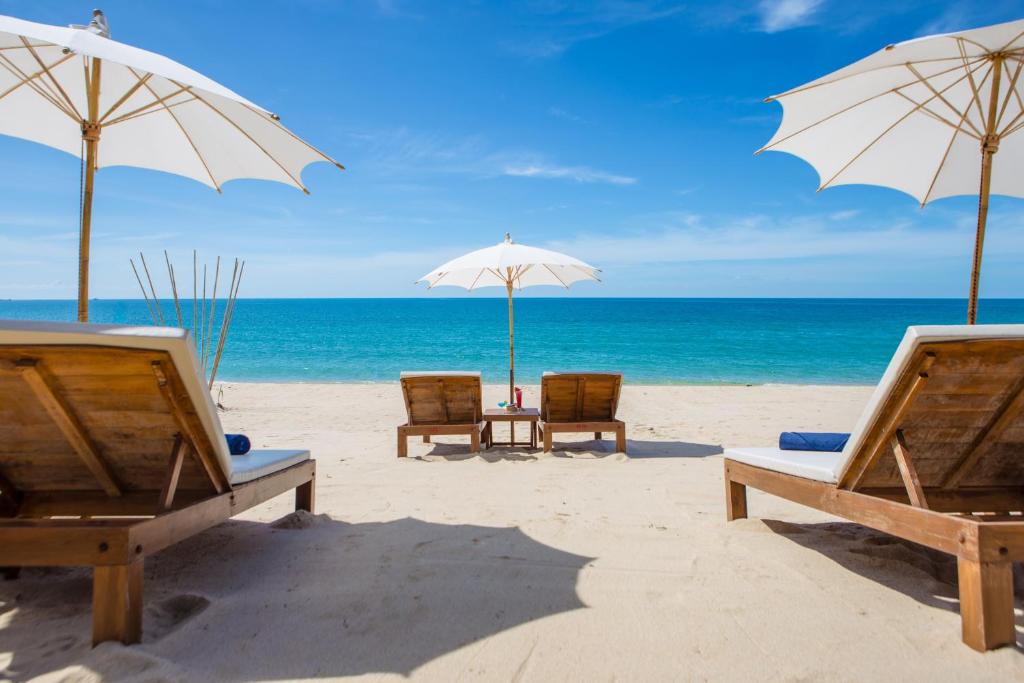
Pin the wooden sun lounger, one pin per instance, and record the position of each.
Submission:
(111, 450)
(937, 458)
(574, 402)
(442, 403)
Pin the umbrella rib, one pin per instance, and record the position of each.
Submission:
(124, 98)
(522, 271)
(26, 79)
(884, 133)
(586, 272)
(812, 86)
(942, 98)
(942, 119)
(942, 164)
(475, 280)
(246, 134)
(184, 132)
(46, 69)
(1010, 91)
(970, 78)
(1015, 39)
(281, 127)
(556, 275)
(849, 108)
(149, 107)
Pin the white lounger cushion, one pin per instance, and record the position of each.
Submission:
(256, 464)
(788, 461)
(807, 464)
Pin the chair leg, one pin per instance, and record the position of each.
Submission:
(597, 436)
(735, 498)
(117, 603)
(620, 439)
(547, 440)
(403, 444)
(305, 496)
(426, 438)
(986, 603)
(474, 441)
(10, 573)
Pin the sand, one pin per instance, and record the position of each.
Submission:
(514, 565)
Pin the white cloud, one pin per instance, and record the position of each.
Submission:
(782, 15)
(581, 174)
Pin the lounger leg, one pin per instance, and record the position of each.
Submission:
(547, 440)
(117, 603)
(305, 496)
(10, 573)
(403, 444)
(474, 441)
(986, 603)
(597, 436)
(620, 439)
(735, 498)
(426, 438)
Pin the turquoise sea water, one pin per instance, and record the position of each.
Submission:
(649, 340)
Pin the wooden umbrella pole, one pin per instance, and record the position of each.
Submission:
(511, 344)
(989, 146)
(91, 137)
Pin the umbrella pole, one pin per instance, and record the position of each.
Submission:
(511, 345)
(91, 137)
(989, 146)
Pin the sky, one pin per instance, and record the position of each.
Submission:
(621, 132)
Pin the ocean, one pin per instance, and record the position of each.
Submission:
(651, 341)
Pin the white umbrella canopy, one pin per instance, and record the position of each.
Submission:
(926, 116)
(71, 88)
(512, 266)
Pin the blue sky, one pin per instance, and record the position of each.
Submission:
(621, 132)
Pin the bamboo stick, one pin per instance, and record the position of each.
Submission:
(208, 340)
(174, 287)
(152, 289)
(202, 319)
(195, 302)
(138, 279)
(229, 313)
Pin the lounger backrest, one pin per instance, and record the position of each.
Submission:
(97, 408)
(956, 394)
(579, 396)
(442, 398)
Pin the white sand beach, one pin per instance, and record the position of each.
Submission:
(516, 565)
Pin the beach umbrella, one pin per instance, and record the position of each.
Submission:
(934, 117)
(512, 266)
(111, 104)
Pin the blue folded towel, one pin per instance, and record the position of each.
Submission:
(813, 441)
(238, 444)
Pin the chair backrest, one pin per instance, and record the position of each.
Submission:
(98, 408)
(956, 395)
(442, 398)
(579, 396)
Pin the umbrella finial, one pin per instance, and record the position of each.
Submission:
(99, 24)
(508, 238)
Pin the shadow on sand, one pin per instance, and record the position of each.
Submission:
(636, 450)
(926, 575)
(313, 597)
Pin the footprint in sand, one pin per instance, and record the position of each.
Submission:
(167, 615)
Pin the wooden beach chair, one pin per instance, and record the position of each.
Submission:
(573, 402)
(111, 450)
(937, 458)
(442, 403)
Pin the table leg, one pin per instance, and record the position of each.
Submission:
(533, 435)
(512, 433)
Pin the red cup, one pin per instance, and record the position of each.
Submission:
(519, 397)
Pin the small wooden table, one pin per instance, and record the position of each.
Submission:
(531, 415)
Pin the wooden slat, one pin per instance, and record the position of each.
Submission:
(954, 535)
(868, 455)
(166, 498)
(48, 392)
(98, 504)
(197, 443)
(907, 470)
(1000, 421)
